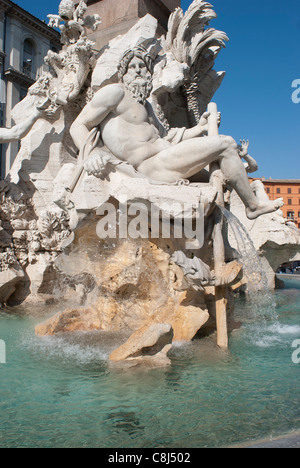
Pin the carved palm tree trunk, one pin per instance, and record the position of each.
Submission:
(190, 92)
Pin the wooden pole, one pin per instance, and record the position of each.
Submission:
(218, 241)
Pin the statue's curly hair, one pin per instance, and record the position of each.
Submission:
(126, 58)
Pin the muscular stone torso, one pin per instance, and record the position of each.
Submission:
(130, 134)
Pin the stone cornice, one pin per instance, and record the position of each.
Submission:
(15, 11)
(18, 77)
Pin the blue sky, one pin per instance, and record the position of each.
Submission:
(262, 59)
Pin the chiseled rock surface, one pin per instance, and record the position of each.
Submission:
(8, 281)
(151, 342)
(136, 285)
(69, 321)
(110, 315)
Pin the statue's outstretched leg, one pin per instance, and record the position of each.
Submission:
(189, 157)
(235, 172)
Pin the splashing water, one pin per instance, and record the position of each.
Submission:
(261, 305)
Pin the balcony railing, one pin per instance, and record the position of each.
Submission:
(29, 73)
(24, 77)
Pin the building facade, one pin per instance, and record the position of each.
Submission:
(24, 42)
(289, 190)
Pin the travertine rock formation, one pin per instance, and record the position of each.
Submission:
(145, 345)
(135, 283)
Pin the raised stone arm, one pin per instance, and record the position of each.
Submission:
(19, 131)
(94, 113)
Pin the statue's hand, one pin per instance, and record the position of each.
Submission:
(43, 104)
(243, 148)
(203, 122)
(250, 165)
(96, 164)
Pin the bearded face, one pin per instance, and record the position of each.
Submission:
(138, 80)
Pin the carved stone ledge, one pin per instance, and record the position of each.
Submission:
(18, 77)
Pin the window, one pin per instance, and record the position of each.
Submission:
(289, 190)
(291, 214)
(28, 58)
(268, 190)
(278, 190)
(298, 214)
(289, 201)
(28, 47)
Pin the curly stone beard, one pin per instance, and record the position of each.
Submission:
(139, 88)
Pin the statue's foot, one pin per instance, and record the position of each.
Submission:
(264, 208)
(229, 274)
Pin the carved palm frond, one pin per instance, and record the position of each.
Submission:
(174, 21)
(187, 34)
(208, 39)
(191, 41)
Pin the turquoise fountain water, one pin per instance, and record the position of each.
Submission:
(62, 392)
